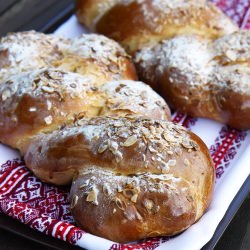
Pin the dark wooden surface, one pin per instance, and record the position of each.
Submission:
(19, 15)
(16, 15)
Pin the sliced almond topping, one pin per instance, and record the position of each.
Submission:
(85, 184)
(118, 156)
(119, 203)
(195, 145)
(48, 119)
(74, 201)
(102, 148)
(178, 130)
(6, 94)
(48, 89)
(186, 144)
(113, 146)
(134, 198)
(152, 150)
(231, 55)
(186, 162)
(148, 204)
(95, 138)
(131, 140)
(49, 105)
(118, 124)
(165, 170)
(92, 196)
(169, 137)
(171, 163)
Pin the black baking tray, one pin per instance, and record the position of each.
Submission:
(18, 228)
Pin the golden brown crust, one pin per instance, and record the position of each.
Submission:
(90, 11)
(43, 100)
(202, 77)
(134, 178)
(168, 35)
(137, 23)
(136, 175)
(94, 55)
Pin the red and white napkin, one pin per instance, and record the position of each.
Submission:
(45, 208)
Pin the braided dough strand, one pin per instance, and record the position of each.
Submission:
(202, 77)
(91, 55)
(187, 50)
(136, 23)
(41, 101)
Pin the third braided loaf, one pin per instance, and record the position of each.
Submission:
(187, 50)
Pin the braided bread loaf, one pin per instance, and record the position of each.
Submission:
(96, 56)
(135, 174)
(188, 51)
(136, 23)
(202, 77)
(134, 177)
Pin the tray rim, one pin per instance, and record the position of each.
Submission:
(15, 227)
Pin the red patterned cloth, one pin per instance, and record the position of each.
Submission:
(45, 208)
